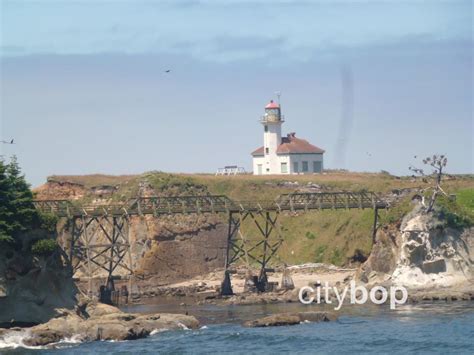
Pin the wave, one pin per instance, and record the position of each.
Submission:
(67, 342)
(15, 339)
(156, 331)
(183, 326)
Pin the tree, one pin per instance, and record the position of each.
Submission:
(17, 213)
(437, 163)
(5, 206)
(25, 214)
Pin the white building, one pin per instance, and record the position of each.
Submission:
(284, 155)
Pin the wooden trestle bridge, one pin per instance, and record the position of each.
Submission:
(100, 233)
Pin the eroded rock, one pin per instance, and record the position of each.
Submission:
(423, 253)
(284, 319)
(103, 322)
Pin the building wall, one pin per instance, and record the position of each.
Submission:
(289, 159)
(310, 158)
(256, 161)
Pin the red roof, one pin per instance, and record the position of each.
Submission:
(258, 151)
(272, 105)
(292, 145)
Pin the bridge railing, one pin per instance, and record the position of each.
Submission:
(329, 200)
(65, 208)
(215, 204)
(180, 204)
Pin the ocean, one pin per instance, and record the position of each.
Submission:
(440, 328)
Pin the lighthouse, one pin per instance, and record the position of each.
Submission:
(284, 155)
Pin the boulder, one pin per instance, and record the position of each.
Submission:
(283, 319)
(434, 266)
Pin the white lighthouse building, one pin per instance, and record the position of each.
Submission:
(284, 155)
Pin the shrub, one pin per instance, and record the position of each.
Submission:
(48, 221)
(336, 257)
(310, 236)
(6, 239)
(320, 253)
(44, 247)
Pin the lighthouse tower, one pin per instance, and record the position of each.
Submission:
(271, 121)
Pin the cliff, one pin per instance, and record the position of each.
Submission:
(424, 251)
(33, 289)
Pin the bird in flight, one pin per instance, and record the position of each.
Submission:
(11, 142)
(167, 70)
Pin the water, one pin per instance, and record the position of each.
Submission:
(430, 328)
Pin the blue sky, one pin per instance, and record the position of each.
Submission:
(83, 88)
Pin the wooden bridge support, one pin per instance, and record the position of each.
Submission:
(375, 225)
(257, 245)
(100, 243)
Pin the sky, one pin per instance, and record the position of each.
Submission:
(83, 87)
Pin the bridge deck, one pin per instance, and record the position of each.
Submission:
(214, 204)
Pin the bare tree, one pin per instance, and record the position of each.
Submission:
(437, 163)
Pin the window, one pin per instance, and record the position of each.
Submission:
(284, 168)
(305, 167)
(267, 150)
(268, 170)
(295, 167)
(317, 167)
(266, 128)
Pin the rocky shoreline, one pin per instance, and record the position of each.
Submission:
(97, 321)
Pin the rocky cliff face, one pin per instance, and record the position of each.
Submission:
(423, 252)
(185, 255)
(32, 289)
(166, 248)
(60, 190)
(175, 248)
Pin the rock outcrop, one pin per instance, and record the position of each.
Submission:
(173, 258)
(423, 253)
(32, 289)
(283, 319)
(100, 322)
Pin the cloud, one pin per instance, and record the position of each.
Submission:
(230, 31)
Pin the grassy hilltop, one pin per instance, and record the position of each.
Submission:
(319, 236)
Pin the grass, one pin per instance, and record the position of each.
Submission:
(317, 236)
(459, 213)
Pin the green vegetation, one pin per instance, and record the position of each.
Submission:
(310, 236)
(17, 213)
(44, 247)
(48, 221)
(458, 212)
(18, 216)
